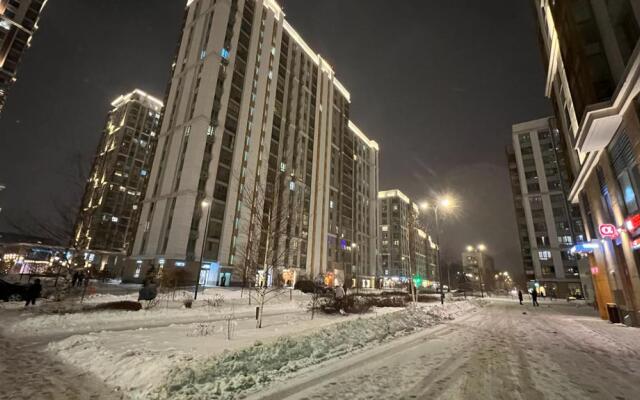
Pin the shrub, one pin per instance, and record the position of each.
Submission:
(119, 305)
(187, 303)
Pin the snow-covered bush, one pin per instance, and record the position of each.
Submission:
(231, 373)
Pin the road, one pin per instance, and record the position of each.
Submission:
(504, 351)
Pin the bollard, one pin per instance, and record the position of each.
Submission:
(257, 312)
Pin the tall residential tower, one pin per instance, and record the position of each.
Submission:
(256, 125)
(592, 58)
(18, 22)
(551, 224)
(111, 204)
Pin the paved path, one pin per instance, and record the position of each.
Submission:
(505, 351)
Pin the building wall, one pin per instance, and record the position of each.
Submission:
(256, 125)
(552, 225)
(593, 60)
(111, 203)
(479, 269)
(405, 248)
(18, 22)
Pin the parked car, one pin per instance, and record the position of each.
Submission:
(12, 291)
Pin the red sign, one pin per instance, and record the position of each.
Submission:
(636, 244)
(594, 270)
(632, 223)
(608, 231)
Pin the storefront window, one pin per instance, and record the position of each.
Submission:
(628, 193)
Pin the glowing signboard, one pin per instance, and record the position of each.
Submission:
(632, 223)
(608, 231)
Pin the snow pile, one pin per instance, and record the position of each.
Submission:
(231, 373)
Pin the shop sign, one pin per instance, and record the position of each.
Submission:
(632, 223)
(594, 270)
(636, 244)
(608, 231)
(584, 247)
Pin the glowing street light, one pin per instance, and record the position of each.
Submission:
(444, 202)
(206, 205)
(482, 247)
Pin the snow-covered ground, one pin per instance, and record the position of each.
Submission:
(500, 350)
(505, 351)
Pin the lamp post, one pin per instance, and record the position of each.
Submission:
(446, 203)
(206, 204)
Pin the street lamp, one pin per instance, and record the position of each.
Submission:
(205, 205)
(446, 203)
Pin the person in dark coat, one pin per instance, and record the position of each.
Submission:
(534, 298)
(80, 279)
(74, 280)
(520, 296)
(33, 292)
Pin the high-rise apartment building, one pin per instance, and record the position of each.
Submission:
(592, 57)
(478, 269)
(18, 22)
(256, 126)
(549, 226)
(405, 248)
(111, 204)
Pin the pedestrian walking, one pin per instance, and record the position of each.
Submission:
(74, 280)
(33, 292)
(80, 279)
(534, 298)
(340, 299)
(520, 296)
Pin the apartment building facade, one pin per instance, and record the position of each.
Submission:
(110, 210)
(552, 226)
(406, 249)
(593, 78)
(256, 139)
(478, 268)
(18, 23)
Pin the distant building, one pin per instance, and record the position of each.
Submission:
(478, 268)
(548, 225)
(24, 254)
(405, 248)
(18, 22)
(113, 196)
(257, 134)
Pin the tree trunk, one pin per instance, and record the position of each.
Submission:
(260, 311)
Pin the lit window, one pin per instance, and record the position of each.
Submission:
(203, 54)
(292, 185)
(283, 167)
(224, 53)
(114, 219)
(544, 254)
(143, 172)
(330, 203)
(385, 228)
(137, 273)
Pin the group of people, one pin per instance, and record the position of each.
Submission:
(78, 278)
(534, 297)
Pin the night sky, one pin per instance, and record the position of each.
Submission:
(437, 83)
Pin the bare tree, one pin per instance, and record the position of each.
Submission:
(264, 239)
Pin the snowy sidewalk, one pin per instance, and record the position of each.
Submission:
(504, 351)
